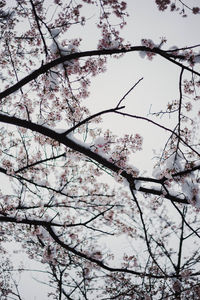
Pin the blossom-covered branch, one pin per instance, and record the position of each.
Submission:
(104, 52)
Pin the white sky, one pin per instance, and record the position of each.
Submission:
(160, 83)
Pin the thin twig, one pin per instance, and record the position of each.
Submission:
(92, 117)
(129, 92)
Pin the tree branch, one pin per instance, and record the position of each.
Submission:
(87, 152)
(45, 67)
(99, 262)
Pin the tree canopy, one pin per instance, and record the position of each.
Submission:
(69, 184)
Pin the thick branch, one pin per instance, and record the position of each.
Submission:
(96, 261)
(44, 68)
(87, 152)
(28, 222)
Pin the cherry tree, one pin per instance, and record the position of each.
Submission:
(70, 183)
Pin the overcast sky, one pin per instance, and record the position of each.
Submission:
(157, 88)
(160, 78)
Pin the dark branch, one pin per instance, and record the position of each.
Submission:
(88, 153)
(44, 68)
(99, 262)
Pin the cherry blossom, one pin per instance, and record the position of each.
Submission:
(71, 185)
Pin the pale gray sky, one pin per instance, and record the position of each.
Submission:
(160, 85)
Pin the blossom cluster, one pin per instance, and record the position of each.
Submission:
(117, 150)
(181, 8)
